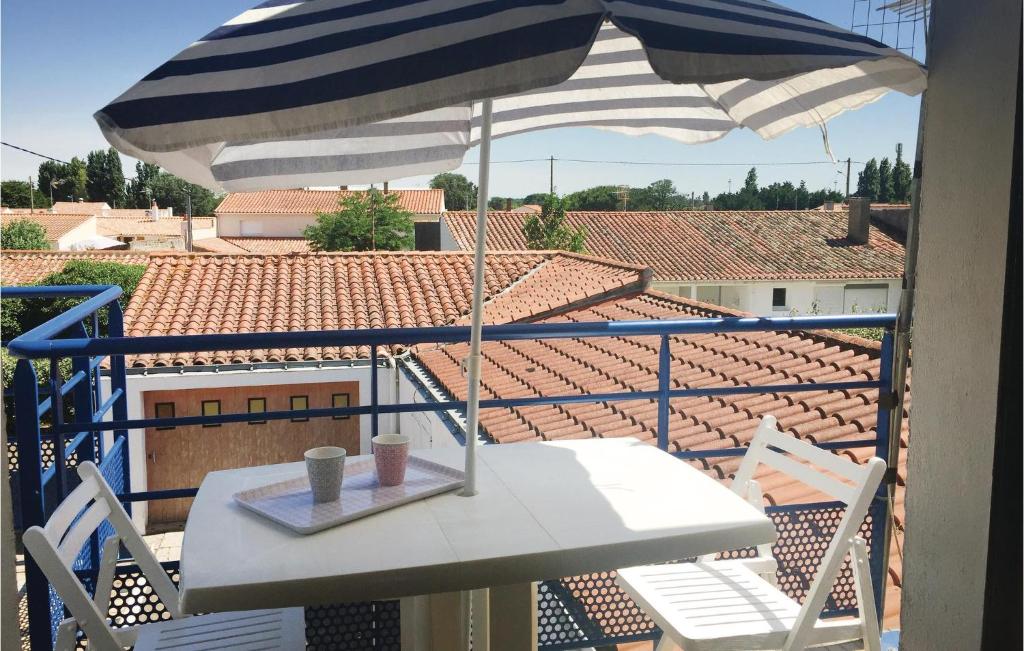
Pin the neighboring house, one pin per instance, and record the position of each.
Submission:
(764, 262)
(28, 267)
(287, 213)
(63, 230)
(266, 245)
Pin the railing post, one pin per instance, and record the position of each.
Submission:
(882, 518)
(118, 380)
(374, 397)
(33, 507)
(85, 407)
(664, 386)
(60, 467)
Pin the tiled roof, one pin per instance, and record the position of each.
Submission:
(91, 207)
(301, 202)
(698, 246)
(56, 225)
(529, 208)
(265, 245)
(606, 365)
(166, 226)
(27, 267)
(202, 294)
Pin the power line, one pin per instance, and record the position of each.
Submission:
(34, 153)
(662, 163)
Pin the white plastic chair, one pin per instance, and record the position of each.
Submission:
(734, 604)
(55, 547)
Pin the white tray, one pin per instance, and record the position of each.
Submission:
(290, 502)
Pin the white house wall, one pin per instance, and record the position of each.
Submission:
(84, 231)
(802, 297)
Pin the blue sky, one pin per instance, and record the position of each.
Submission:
(62, 60)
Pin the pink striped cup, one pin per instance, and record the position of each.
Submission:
(390, 453)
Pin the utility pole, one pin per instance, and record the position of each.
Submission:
(691, 199)
(31, 196)
(552, 175)
(188, 221)
(730, 186)
(847, 178)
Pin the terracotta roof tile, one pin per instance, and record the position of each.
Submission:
(207, 293)
(301, 202)
(265, 245)
(56, 224)
(27, 267)
(700, 246)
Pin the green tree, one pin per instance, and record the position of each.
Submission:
(62, 181)
(802, 199)
(750, 183)
(536, 199)
(459, 192)
(660, 195)
(499, 203)
(869, 181)
(140, 190)
(23, 234)
(104, 177)
(367, 221)
(169, 191)
(549, 231)
(20, 194)
(601, 197)
(885, 181)
(901, 178)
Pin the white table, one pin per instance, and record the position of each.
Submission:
(544, 510)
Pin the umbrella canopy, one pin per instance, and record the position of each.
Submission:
(340, 92)
(326, 92)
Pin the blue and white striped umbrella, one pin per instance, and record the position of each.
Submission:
(337, 92)
(329, 92)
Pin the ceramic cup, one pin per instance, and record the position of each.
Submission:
(326, 467)
(390, 453)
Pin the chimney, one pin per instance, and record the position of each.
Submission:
(859, 220)
(830, 206)
(385, 187)
(343, 187)
(508, 203)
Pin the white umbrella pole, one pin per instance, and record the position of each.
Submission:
(473, 362)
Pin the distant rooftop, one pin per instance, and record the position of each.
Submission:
(302, 202)
(56, 225)
(711, 246)
(266, 245)
(27, 267)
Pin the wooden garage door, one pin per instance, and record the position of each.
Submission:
(181, 457)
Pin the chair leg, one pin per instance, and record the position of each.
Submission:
(865, 595)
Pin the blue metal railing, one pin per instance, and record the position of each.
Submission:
(65, 336)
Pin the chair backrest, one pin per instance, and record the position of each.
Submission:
(56, 546)
(851, 483)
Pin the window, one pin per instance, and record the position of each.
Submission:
(340, 400)
(779, 298)
(299, 403)
(257, 406)
(211, 408)
(164, 410)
